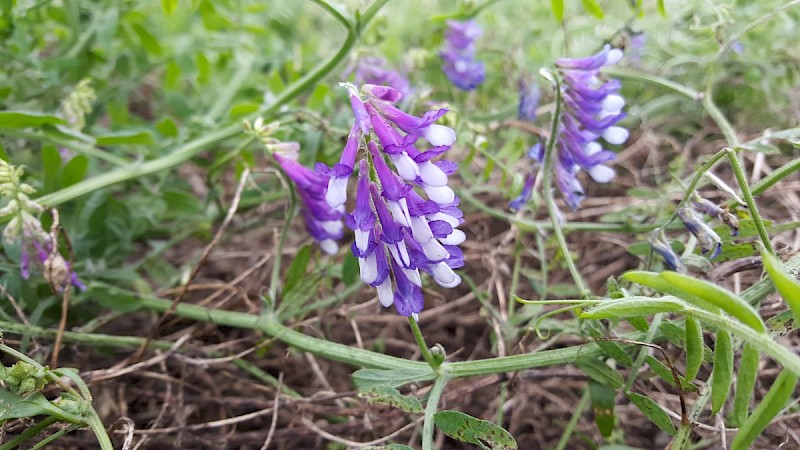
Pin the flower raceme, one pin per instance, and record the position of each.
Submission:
(458, 55)
(406, 216)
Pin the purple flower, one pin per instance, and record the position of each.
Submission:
(706, 207)
(55, 268)
(323, 222)
(398, 231)
(458, 55)
(708, 239)
(660, 244)
(592, 107)
(373, 70)
(528, 100)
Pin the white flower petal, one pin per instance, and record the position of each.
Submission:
(413, 276)
(454, 238)
(442, 195)
(445, 217)
(420, 230)
(613, 103)
(615, 135)
(434, 251)
(439, 135)
(444, 275)
(362, 240)
(333, 227)
(368, 268)
(406, 167)
(336, 194)
(386, 293)
(432, 175)
(601, 173)
(329, 246)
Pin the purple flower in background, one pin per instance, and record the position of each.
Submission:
(458, 55)
(708, 239)
(323, 222)
(528, 100)
(373, 70)
(592, 107)
(659, 243)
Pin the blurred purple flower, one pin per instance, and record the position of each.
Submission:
(374, 70)
(528, 100)
(592, 107)
(458, 55)
(659, 243)
(708, 239)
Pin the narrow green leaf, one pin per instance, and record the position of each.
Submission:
(785, 283)
(722, 373)
(631, 307)
(466, 428)
(350, 269)
(770, 406)
(665, 374)
(74, 171)
(694, 347)
(603, 400)
(558, 9)
(655, 281)
(745, 383)
(23, 119)
(653, 412)
(593, 8)
(717, 296)
(366, 378)
(148, 41)
(125, 138)
(662, 9)
(610, 348)
(297, 269)
(386, 395)
(600, 372)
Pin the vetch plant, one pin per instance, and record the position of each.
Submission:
(458, 55)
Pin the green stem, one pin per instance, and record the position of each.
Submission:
(547, 183)
(681, 440)
(189, 150)
(276, 260)
(748, 198)
(99, 431)
(573, 421)
(29, 433)
(423, 347)
(99, 340)
(430, 410)
(59, 141)
(779, 174)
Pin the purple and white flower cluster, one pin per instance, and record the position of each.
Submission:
(374, 70)
(592, 107)
(406, 216)
(458, 54)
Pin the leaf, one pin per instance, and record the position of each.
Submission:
(297, 269)
(745, 383)
(51, 168)
(603, 400)
(665, 374)
(600, 372)
(770, 406)
(125, 138)
(661, 8)
(13, 406)
(366, 378)
(386, 395)
(350, 269)
(148, 41)
(694, 347)
(23, 119)
(653, 412)
(466, 428)
(558, 9)
(717, 296)
(74, 171)
(168, 6)
(655, 281)
(785, 283)
(633, 306)
(593, 8)
(722, 373)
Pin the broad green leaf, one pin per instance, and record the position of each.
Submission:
(366, 378)
(297, 269)
(244, 109)
(633, 306)
(558, 9)
(603, 400)
(780, 392)
(722, 373)
(74, 171)
(466, 428)
(600, 372)
(655, 281)
(23, 119)
(13, 406)
(386, 395)
(694, 347)
(665, 374)
(51, 168)
(717, 296)
(786, 284)
(653, 412)
(745, 383)
(350, 270)
(593, 8)
(125, 138)
(148, 41)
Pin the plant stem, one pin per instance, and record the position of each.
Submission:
(29, 432)
(547, 183)
(423, 347)
(748, 198)
(780, 173)
(190, 149)
(430, 410)
(573, 421)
